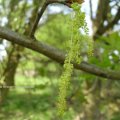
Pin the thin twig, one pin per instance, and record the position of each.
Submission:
(91, 11)
(40, 13)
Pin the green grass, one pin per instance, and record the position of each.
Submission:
(38, 103)
(27, 107)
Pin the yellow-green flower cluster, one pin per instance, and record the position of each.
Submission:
(63, 86)
(78, 25)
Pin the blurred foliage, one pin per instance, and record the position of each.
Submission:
(55, 31)
(36, 80)
(109, 50)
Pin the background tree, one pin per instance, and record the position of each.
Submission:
(91, 97)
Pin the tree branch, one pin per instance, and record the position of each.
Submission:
(54, 53)
(102, 29)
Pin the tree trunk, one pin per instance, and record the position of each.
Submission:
(14, 57)
(9, 72)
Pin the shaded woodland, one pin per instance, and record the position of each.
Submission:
(33, 43)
